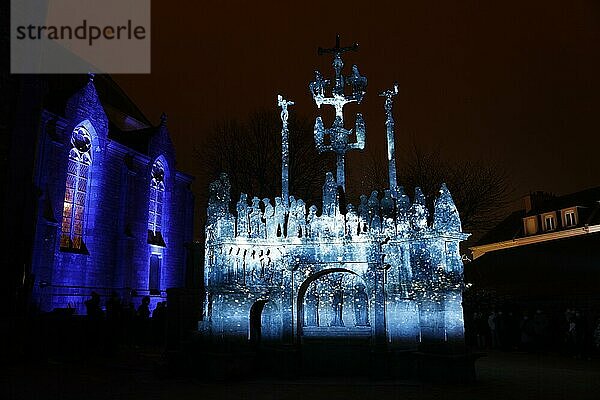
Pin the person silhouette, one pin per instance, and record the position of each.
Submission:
(94, 311)
(143, 311)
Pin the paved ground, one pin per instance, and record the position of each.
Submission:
(500, 376)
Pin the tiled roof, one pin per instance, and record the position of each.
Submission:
(585, 198)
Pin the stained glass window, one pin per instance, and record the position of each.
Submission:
(76, 189)
(155, 211)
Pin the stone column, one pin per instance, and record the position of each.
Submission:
(379, 271)
(288, 298)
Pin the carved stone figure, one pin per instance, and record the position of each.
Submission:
(337, 306)
(352, 221)
(375, 224)
(256, 224)
(387, 205)
(242, 227)
(317, 87)
(311, 311)
(361, 306)
(373, 206)
(358, 83)
(312, 223)
(330, 196)
(269, 217)
(339, 228)
(283, 103)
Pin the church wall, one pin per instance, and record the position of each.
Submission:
(117, 253)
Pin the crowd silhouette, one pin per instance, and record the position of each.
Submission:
(121, 323)
(572, 332)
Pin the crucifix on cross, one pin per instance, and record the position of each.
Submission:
(337, 50)
(339, 137)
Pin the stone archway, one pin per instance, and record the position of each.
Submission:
(351, 321)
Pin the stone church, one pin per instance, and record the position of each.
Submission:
(113, 214)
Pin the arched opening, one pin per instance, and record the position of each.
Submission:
(333, 303)
(338, 345)
(265, 322)
(255, 334)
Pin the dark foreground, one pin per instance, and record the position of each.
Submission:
(132, 375)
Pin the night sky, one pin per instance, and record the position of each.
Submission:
(517, 82)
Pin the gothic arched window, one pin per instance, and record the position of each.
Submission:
(155, 208)
(74, 204)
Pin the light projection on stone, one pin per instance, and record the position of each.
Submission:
(281, 270)
(389, 124)
(285, 153)
(337, 134)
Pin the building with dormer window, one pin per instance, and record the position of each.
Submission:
(548, 251)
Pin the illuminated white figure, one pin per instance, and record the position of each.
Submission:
(338, 135)
(383, 269)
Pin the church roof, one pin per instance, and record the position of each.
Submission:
(127, 124)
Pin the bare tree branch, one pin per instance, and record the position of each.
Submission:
(250, 153)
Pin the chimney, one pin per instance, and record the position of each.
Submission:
(536, 199)
(527, 202)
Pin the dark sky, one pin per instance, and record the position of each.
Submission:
(517, 81)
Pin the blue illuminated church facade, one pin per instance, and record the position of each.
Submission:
(114, 215)
(386, 270)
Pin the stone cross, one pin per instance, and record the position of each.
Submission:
(338, 135)
(337, 49)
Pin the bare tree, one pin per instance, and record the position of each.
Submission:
(480, 189)
(250, 153)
